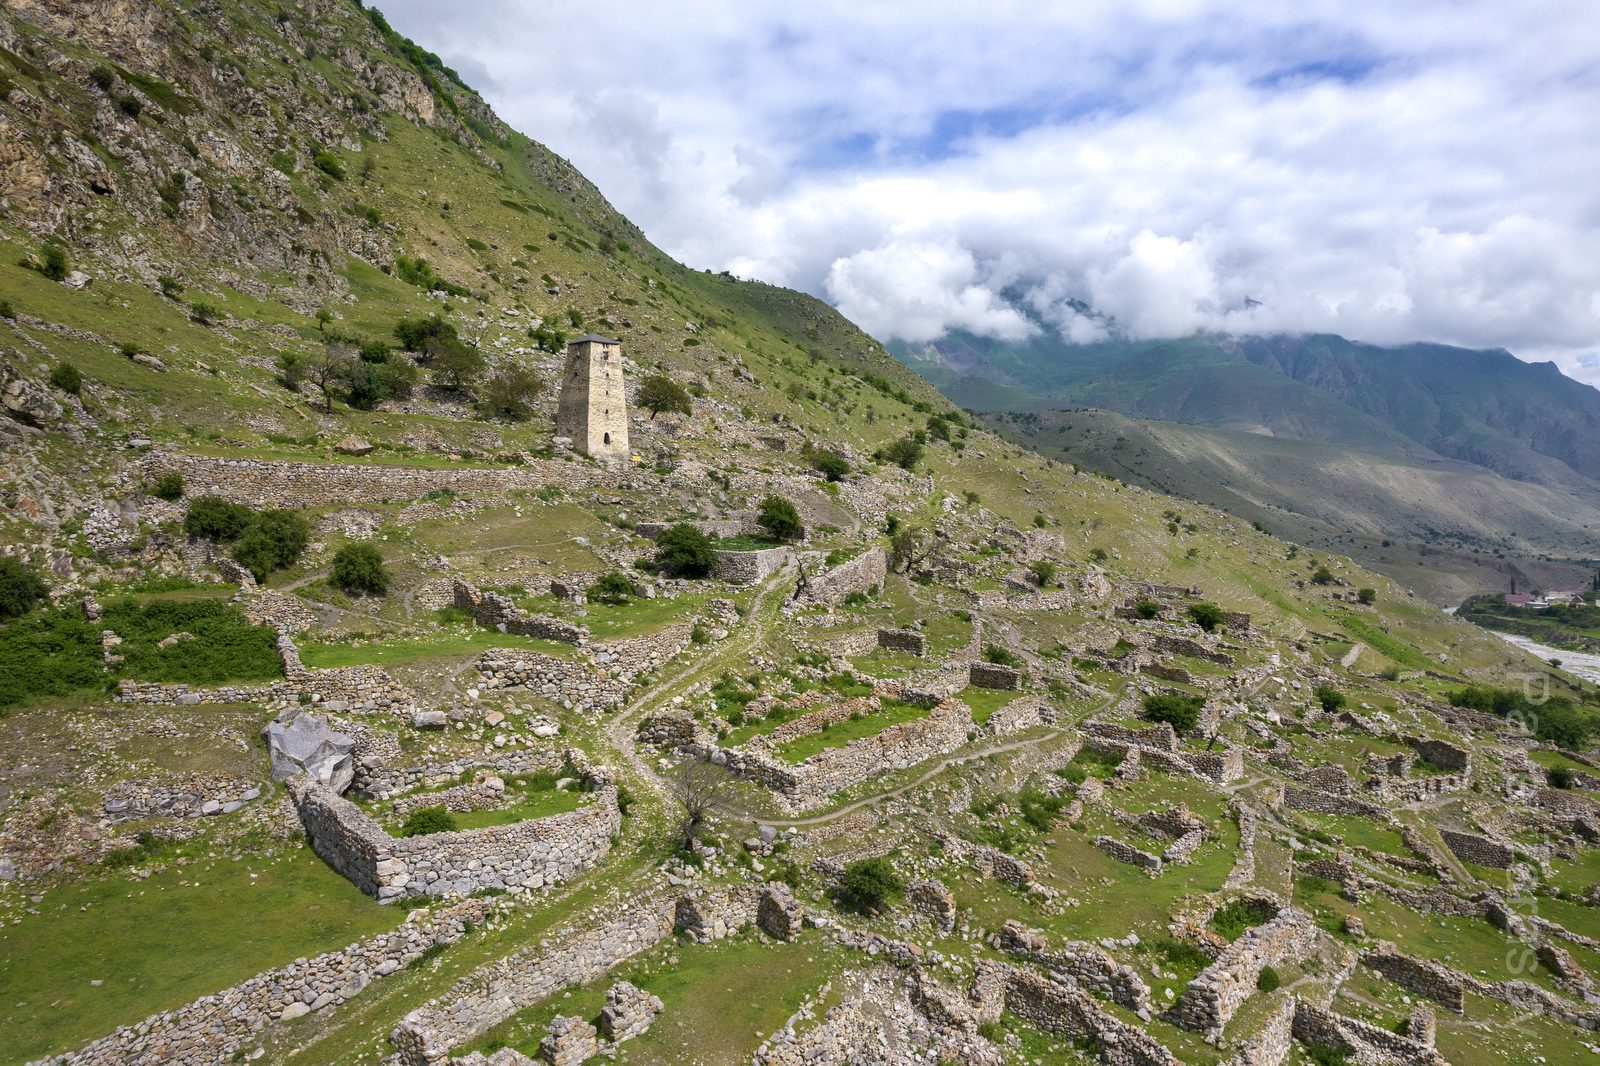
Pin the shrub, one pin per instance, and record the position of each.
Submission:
(1560, 724)
(454, 365)
(1367, 596)
(359, 567)
(1208, 616)
(994, 653)
(1099, 555)
(214, 517)
(1560, 777)
(611, 588)
(66, 377)
(779, 515)
(329, 164)
(203, 313)
(1040, 521)
(168, 486)
(1330, 698)
(55, 264)
(426, 820)
(831, 465)
(7, 311)
(20, 588)
(684, 549)
(1044, 571)
(872, 881)
(1268, 980)
(1147, 608)
(1323, 576)
(905, 453)
(973, 498)
(1181, 712)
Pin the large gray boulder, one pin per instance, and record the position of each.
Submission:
(306, 744)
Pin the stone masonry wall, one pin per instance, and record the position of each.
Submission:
(273, 483)
(746, 568)
(220, 1027)
(1020, 714)
(812, 781)
(995, 676)
(1221, 989)
(1422, 976)
(529, 854)
(574, 684)
(494, 611)
(1442, 753)
(1368, 1042)
(1481, 850)
(857, 575)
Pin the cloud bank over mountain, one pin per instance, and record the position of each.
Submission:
(1386, 172)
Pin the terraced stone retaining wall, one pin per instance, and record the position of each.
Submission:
(1080, 960)
(1055, 1008)
(868, 641)
(1271, 1043)
(529, 854)
(573, 684)
(275, 483)
(1320, 802)
(1221, 989)
(219, 1027)
(995, 676)
(375, 779)
(1442, 753)
(1024, 713)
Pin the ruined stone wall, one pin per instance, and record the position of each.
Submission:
(1481, 850)
(1161, 737)
(1213, 997)
(1024, 713)
(1416, 789)
(1081, 961)
(1442, 753)
(1368, 1042)
(907, 640)
(222, 1026)
(1072, 1012)
(528, 854)
(990, 862)
(897, 747)
(857, 575)
(1170, 645)
(1220, 766)
(995, 676)
(494, 611)
(1271, 1043)
(1329, 777)
(746, 568)
(673, 730)
(376, 779)
(1320, 802)
(864, 642)
(1125, 852)
(573, 684)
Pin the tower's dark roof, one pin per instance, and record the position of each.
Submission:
(594, 337)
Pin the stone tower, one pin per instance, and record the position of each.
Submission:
(593, 410)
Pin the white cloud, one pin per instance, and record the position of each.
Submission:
(1389, 172)
(917, 290)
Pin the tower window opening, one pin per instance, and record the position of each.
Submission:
(608, 438)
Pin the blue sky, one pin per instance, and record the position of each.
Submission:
(1389, 172)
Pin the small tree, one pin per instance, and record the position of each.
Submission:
(1330, 698)
(909, 546)
(454, 365)
(1044, 571)
(778, 515)
(684, 549)
(1181, 712)
(66, 377)
(21, 588)
(701, 788)
(360, 567)
(872, 881)
(1208, 616)
(1099, 555)
(324, 316)
(1367, 596)
(1147, 608)
(511, 394)
(973, 498)
(274, 541)
(1040, 521)
(168, 486)
(203, 312)
(1323, 576)
(330, 370)
(659, 393)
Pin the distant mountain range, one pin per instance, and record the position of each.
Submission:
(1449, 416)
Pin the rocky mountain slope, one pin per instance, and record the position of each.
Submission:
(347, 714)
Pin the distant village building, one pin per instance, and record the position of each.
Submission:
(592, 414)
